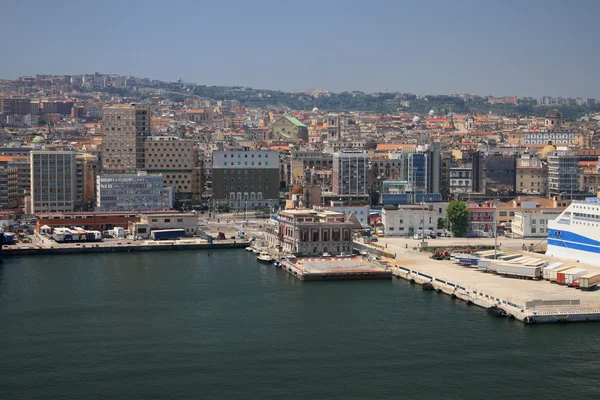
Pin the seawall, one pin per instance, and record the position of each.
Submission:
(116, 248)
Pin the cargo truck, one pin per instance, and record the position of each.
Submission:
(519, 271)
(589, 281)
(554, 273)
(166, 234)
(548, 269)
(572, 275)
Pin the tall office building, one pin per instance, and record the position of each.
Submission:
(53, 178)
(177, 160)
(350, 173)
(128, 192)
(124, 131)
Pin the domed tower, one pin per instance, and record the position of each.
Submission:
(548, 149)
(553, 119)
(470, 124)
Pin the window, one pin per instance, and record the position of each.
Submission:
(167, 220)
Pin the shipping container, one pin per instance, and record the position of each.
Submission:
(590, 280)
(554, 273)
(571, 275)
(165, 234)
(548, 269)
(9, 238)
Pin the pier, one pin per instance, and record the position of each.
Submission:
(529, 301)
(122, 247)
(325, 269)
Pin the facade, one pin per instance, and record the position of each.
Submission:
(19, 170)
(350, 173)
(311, 233)
(461, 180)
(132, 193)
(245, 178)
(481, 220)
(360, 211)
(533, 223)
(124, 131)
(563, 174)
(289, 129)
(4, 204)
(88, 168)
(406, 220)
(52, 179)
(99, 221)
(157, 221)
(500, 172)
(557, 136)
(15, 106)
(177, 161)
(532, 179)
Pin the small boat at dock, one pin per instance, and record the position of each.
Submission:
(264, 257)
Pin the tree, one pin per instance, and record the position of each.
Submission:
(458, 217)
(442, 223)
(223, 207)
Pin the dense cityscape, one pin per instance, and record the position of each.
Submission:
(104, 143)
(316, 200)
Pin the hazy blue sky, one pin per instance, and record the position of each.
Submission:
(488, 47)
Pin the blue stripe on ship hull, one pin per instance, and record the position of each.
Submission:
(574, 241)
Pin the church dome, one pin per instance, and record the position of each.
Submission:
(431, 113)
(549, 148)
(416, 119)
(297, 189)
(553, 113)
(38, 139)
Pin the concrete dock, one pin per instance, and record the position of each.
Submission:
(325, 269)
(120, 246)
(530, 301)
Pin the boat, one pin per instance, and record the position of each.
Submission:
(264, 257)
(277, 263)
(249, 248)
(574, 233)
(256, 251)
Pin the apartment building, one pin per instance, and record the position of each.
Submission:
(563, 174)
(533, 222)
(124, 131)
(53, 177)
(350, 173)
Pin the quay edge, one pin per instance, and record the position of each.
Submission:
(487, 301)
(97, 248)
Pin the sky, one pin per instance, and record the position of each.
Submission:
(500, 48)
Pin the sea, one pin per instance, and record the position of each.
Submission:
(219, 325)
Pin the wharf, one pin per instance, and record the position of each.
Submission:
(530, 301)
(326, 269)
(122, 247)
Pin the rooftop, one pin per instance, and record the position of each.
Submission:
(295, 121)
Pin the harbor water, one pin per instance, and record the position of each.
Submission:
(219, 325)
